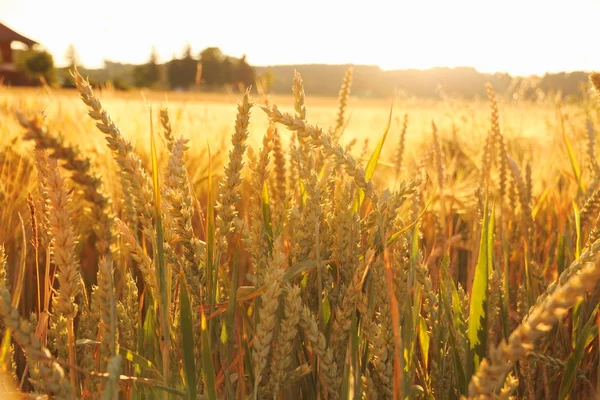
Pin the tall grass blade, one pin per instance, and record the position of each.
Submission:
(16, 298)
(451, 311)
(412, 309)
(424, 341)
(161, 269)
(227, 330)
(208, 369)
(477, 331)
(187, 338)
(266, 209)
(572, 157)
(150, 343)
(584, 339)
(577, 215)
(370, 168)
(212, 269)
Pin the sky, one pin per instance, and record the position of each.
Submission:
(520, 37)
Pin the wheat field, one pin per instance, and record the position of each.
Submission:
(199, 246)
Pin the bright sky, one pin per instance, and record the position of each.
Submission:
(515, 36)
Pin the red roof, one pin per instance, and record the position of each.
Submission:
(8, 35)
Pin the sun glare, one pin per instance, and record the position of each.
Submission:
(509, 36)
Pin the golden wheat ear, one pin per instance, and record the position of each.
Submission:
(343, 98)
(538, 323)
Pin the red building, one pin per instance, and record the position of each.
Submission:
(8, 71)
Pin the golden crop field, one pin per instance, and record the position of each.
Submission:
(211, 246)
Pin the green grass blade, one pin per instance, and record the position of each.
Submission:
(540, 202)
(477, 331)
(161, 270)
(228, 345)
(208, 368)
(149, 339)
(211, 266)
(490, 238)
(136, 359)
(266, 209)
(370, 168)
(150, 346)
(578, 229)
(16, 298)
(5, 349)
(20, 278)
(411, 317)
(505, 303)
(299, 269)
(139, 361)
(187, 338)
(586, 336)
(560, 252)
(353, 356)
(424, 341)
(572, 158)
(577, 321)
(455, 324)
(397, 235)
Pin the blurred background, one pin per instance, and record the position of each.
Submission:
(397, 48)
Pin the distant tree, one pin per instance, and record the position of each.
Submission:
(181, 72)
(188, 67)
(568, 84)
(139, 76)
(212, 59)
(187, 51)
(72, 57)
(149, 74)
(120, 84)
(228, 70)
(152, 68)
(174, 73)
(40, 64)
(244, 73)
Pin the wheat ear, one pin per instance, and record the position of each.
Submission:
(522, 339)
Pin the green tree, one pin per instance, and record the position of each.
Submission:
(181, 72)
(188, 67)
(244, 72)
(40, 64)
(212, 59)
(149, 74)
(187, 51)
(228, 70)
(152, 68)
(174, 73)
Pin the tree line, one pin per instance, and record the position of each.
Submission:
(462, 82)
(212, 70)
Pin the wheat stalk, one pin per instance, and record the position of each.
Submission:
(537, 323)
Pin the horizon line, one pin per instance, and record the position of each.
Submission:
(365, 65)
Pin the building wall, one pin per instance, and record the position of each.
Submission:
(16, 78)
(6, 53)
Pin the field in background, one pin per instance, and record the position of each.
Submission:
(207, 118)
